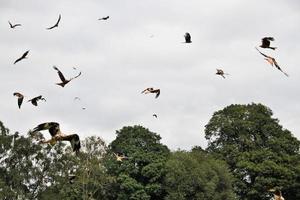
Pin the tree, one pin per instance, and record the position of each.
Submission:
(260, 153)
(141, 176)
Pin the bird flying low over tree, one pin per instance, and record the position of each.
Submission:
(221, 73)
(120, 158)
(104, 18)
(57, 135)
(266, 41)
(22, 57)
(36, 99)
(56, 24)
(13, 25)
(62, 78)
(272, 61)
(151, 90)
(20, 98)
(187, 38)
(277, 194)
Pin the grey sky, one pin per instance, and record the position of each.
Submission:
(141, 46)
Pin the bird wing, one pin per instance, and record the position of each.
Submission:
(262, 53)
(56, 24)
(11, 26)
(20, 100)
(53, 128)
(61, 76)
(75, 76)
(74, 140)
(279, 68)
(187, 37)
(18, 60)
(265, 42)
(157, 93)
(25, 54)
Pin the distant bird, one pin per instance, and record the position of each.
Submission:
(36, 99)
(151, 90)
(77, 98)
(272, 61)
(13, 25)
(55, 25)
(266, 41)
(154, 115)
(63, 79)
(22, 57)
(104, 18)
(83, 108)
(120, 158)
(20, 98)
(277, 194)
(221, 73)
(57, 135)
(187, 38)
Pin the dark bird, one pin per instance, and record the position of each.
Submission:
(55, 25)
(272, 61)
(187, 38)
(13, 25)
(36, 99)
(120, 157)
(57, 135)
(266, 41)
(104, 18)
(221, 73)
(277, 194)
(22, 57)
(76, 98)
(20, 98)
(62, 78)
(154, 115)
(151, 90)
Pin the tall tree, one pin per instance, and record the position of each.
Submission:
(260, 153)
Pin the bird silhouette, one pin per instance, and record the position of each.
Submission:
(151, 90)
(57, 135)
(104, 18)
(22, 57)
(56, 24)
(221, 73)
(36, 99)
(266, 41)
(154, 115)
(272, 61)
(13, 25)
(20, 98)
(62, 78)
(187, 38)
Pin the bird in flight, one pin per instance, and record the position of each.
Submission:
(120, 158)
(187, 38)
(277, 194)
(151, 90)
(20, 98)
(22, 57)
(154, 115)
(77, 98)
(56, 24)
(272, 61)
(221, 73)
(62, 78)
(57, 135)
(13, 25)
(104, 18)
(266, 41)
(36, 99)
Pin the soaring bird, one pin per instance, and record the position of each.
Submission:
(20, 98)
(187, 38)
(57, 135)
(55, 25)
(221, 73)
(36, 99)
(277, 194)
(13, 25)
(63, 79)
(104, 18)
(22, 57)
(151, 90)
(266, 41)
(120, 157)
(272, 61)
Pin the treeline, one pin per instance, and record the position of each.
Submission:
(248, 153)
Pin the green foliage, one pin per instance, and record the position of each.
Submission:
(260, 153)
(196, 175)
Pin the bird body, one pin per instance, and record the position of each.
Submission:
(266, 41)
(22, 57)
(221, 73)
(63, 79)
(20, 98)
(187, 38)
(104, 18)
(13, 25)
(154, 115)
(56, 24)
(36, 99)
(151, 90)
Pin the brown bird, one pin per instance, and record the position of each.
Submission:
(272, 61)
(20, 98)
(266, 41)
(221, 73)
(187, 38)
(22, 57)
(57, 135)
(120, 157)
(104, 18)
(36, 99)
(63, 79)
(56, 24)
(151, 90)
(13, 25)
(277, 194)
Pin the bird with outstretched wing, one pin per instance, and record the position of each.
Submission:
(266, 41)
(20, 98)
(64, 81)
(151, 90)
(56, 24)
(13, 25)
(36, 99)
(22, 57)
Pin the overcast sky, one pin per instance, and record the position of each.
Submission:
(139, 46)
